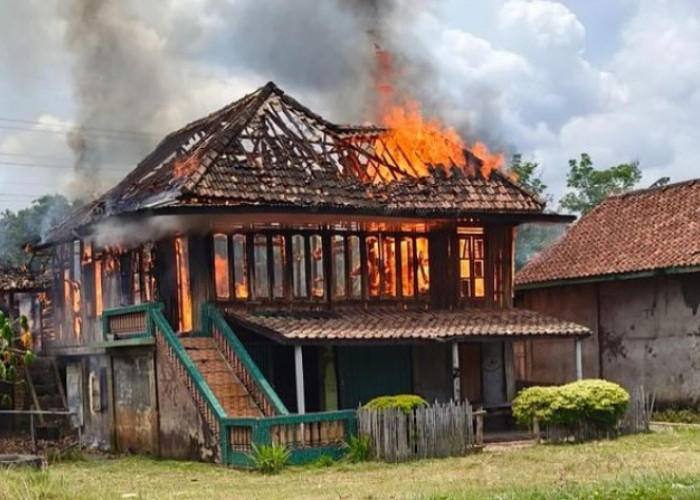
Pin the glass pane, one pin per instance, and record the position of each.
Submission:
(407, 267)
(279, 260)
(221, 273)
(478, 268)
(479, 287)
(423, 271)
(261, 277)
(317, 279)
(478, 248)
(299, 266)
(338, 250)
(372, 266)
(240, 266)
(355, 267)
(389, 265)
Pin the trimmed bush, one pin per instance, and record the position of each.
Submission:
(586, 404)
(404, 402)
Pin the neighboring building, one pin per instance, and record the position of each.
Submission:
(262, 261)
(630, 271)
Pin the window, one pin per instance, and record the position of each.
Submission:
(136, 277)
(339, 267)
(318, 289)
(373, 263)
(407, 267)
(279, 263)
(299, 266)
(354, 260)
(221, 269)
(184, 297)
(423, 265)
(261, 277)
(388, 262)
(240, 266)
(471, 263)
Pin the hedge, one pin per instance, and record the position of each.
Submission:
(586, 403)
(403, 402)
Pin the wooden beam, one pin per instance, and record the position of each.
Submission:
(299, 371)
(578, 352)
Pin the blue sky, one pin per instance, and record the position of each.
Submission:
(617, 79)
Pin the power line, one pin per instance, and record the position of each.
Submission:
(63, 167)
(67, 128)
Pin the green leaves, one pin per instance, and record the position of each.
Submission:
(591, 186)
(14, 348)
(598, 403)
(404, 402)
(269, 459)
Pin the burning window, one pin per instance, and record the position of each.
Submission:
(373, 271)
(98, 287)
(136, 283)
(423, 265)
(279, 263)
(221, 269)
(317, 275)
(299, 266)
(471, 262)
(240, 266)
(184, 298)
(354, 260)
(339, 268)
(388, 262)
(407, 267)
(148, 273)
(261, 276)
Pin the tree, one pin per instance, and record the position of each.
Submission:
(15, 349)
(591, 186)
(532, 238)
(29, 225)
(528, 177)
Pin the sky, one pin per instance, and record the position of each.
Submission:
(617, 79)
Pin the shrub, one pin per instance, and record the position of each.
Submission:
(404, 402)
(324, 461)
(358, 449)
(598, 404)
(269, 459)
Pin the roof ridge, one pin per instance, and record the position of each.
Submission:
(641, 191)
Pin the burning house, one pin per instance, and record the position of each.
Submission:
(264, 271)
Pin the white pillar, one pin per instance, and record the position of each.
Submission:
(456, 379)
(579, 358)
(299, 368)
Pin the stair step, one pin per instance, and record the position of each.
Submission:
(198, 342)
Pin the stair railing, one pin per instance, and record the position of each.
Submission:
(205, 400)
(242, 363)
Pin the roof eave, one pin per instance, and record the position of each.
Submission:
(602, 278)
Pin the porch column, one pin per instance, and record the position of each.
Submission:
(456, 392)
(299, 370)
(579, 358)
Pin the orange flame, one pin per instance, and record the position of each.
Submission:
(183, 285)
(413, 143)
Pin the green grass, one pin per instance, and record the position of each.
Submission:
(659, 465)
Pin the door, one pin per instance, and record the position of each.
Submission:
(470, 371)
(135, 404)
(492, 373)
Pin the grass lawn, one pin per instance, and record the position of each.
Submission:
(658, 465)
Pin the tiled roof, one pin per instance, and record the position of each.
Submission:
(268, 151)
(386, 324)
(639, 231)
(18, 280)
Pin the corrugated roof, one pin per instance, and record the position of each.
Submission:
(388, 324)
(267, 150)
(639, 231)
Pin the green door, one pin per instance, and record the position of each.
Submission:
(368, 372)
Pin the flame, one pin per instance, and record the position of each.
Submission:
(98, 287)
(184, 167)
(183, 285)
(221, 276)
(413, 143)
